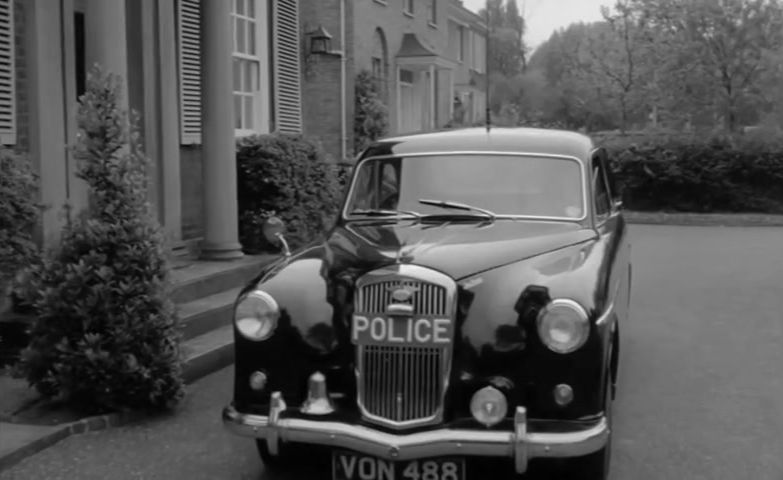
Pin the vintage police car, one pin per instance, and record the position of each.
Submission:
(465, 309)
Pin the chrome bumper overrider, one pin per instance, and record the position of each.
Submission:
(521, 445)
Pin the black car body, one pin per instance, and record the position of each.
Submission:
(483, 323)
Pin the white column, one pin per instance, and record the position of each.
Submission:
(169, 122)
(451, 94)
(433, 100)
(398, 100)
(105, 39)
(47, 129)
(218, 158)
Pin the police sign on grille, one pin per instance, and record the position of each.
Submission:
(401, 330)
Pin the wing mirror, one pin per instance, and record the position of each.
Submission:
(617, 203)
(273, 233)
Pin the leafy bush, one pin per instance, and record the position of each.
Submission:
(719, 175)
(19, 213)
(106, 333)
(285, 175)
(371, 116)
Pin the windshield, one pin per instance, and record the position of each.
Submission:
(507, 185)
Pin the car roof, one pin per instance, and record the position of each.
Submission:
(481, 139)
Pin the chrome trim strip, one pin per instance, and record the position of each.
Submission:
(522, 444)
(399, 309)
(582, 168)
(410, 273)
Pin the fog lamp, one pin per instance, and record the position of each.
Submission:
(564, 394)
(488, 406)
(258, 380)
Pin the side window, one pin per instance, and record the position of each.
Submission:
(377, 185)
(600, 190)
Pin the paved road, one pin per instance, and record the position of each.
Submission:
(701, 394)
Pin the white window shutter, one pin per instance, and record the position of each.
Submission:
(7, 74)
(189, 37)
(287, 67)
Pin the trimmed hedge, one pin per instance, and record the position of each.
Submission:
(720, 176)
(286, 176)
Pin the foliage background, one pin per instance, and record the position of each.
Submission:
(686, 174)
(698, 65)
(286, 176)
(19, 213)
(371, 115)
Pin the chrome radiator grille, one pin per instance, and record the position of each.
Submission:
(428, 299)
(402, 384)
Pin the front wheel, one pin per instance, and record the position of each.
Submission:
(596, 465)
(293, 456)
(284, 460)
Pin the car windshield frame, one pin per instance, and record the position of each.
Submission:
(586, 204)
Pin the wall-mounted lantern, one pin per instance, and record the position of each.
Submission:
(320, 41)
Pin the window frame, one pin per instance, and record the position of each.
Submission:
(461, 43)
(261, 99)
(432, 13)
(408, 7)
(584, 178)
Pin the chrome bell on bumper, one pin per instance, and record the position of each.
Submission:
(521, 445)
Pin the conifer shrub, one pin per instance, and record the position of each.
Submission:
(106, 334)
(371, 115)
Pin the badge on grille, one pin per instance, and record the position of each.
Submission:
(403, 294)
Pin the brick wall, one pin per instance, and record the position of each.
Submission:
(22, 106)
(322, 74)
(389, 17)
(370, 15)
(192, 192)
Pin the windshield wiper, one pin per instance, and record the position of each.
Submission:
(458, 206)
(380, 212)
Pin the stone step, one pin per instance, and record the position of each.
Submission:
(201, 279)
(208, 353)
(200, 316)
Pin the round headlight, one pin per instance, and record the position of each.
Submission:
(256, 315)
(488, 406)
(563, 326)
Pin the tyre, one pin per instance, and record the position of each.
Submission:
(294, 456)
(285, 459)
(596, 465)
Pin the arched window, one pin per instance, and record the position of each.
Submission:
(380, 63)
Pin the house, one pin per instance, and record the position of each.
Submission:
(184, 63)
(467, 47)
(423, 53)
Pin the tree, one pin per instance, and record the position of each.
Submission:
(616, 54)
(506, 31)
(371, 118)
(726, 41)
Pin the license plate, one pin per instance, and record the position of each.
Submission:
(420, 330)
(352, 466)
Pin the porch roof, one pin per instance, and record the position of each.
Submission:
(413, 52)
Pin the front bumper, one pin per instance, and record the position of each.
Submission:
(556, 440)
